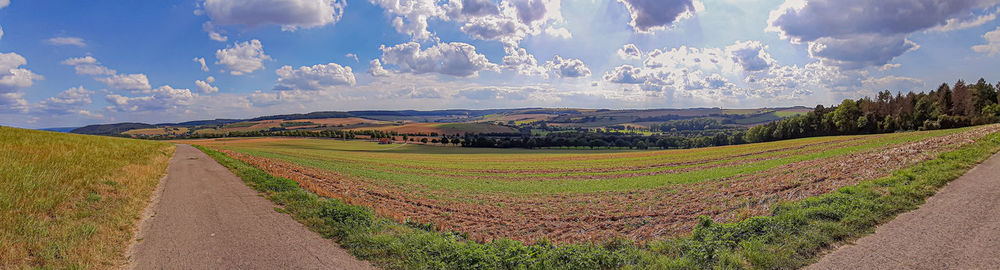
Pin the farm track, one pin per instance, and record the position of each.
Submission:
(639, 214)
(207, 218)
(958, 228)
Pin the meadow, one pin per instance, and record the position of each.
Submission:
(579, 196)
(71, 201)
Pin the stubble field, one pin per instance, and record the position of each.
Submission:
(569, 196)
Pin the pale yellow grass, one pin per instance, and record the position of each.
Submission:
(72, 201)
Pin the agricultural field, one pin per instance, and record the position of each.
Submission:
(573, 196)
(441, 128)
(71, 201)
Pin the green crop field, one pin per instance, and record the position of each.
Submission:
(569, 196)
(71, 201)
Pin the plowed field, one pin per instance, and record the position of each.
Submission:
(579, 195)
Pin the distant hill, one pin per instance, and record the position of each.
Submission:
(483, 121)
(60, 129)
(110, 129)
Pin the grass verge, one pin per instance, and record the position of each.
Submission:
(791, 237)
(71, 201)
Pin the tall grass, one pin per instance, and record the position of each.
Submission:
(792, 236)
(71, 201)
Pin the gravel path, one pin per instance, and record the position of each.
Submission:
(958, 228)
(207, 218)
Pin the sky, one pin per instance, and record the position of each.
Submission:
(73, 63)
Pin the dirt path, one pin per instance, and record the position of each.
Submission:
(958, 228)
(207, 218)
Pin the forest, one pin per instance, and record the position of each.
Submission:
(954, 106)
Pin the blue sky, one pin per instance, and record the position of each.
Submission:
(72, 63)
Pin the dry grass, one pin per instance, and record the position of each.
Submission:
(72, 201)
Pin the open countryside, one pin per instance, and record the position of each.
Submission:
(499, 134)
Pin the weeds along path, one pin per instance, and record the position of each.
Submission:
(207, 218)
(958, 228)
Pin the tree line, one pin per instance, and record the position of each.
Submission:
(954, 106)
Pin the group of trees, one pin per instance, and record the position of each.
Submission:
(688, 124)
(947, 107)
(606, 140)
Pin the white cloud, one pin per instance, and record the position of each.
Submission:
(954, 24)
(519, 60)
(206, 86)
(242, 57)
(316, 77)
(750, 55)
(69, 101)
(73, 41)
(290, 14)
(411, 15)
(653, 15)
(130, 82)
(162, 98)
(209, 28)
(4, 3)
(992, 46)
(88, 65)
(201, 60)
(630, 52)
(859, 33)
(375, 68)
(560, 32)
(79, 61)
(1, 32)
(567, 68)
(456, 58)
(352, 56)
(13, 79)
(626, 74)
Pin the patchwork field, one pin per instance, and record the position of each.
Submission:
(585, 196)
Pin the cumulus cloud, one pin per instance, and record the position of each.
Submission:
(955, 24)
(992, 46)
(70, 41)
(456, 58)
(4, 3)
(861, 33)
(375, 68)
(519, 60)
(13, 78)
(209, 28)
(560, 32)
(161, 98)
(206, 85)
(411, 16)
(653, 15)
(474, 8)
(88, 65)
(242, 57)
(130, 82)
(567, 68)
(626, 74)
(750, 55)
(201, 60)
(69, 101)
(316, 77)
(290, 14)
(630, 52)
(79, 61)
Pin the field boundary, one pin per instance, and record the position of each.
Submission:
(794, 235)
